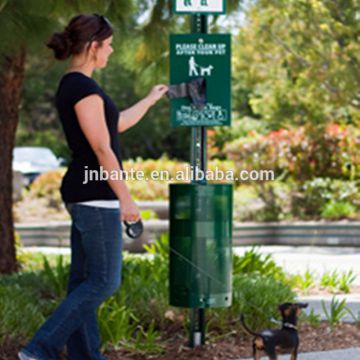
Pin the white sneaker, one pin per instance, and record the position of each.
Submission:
(22, 356)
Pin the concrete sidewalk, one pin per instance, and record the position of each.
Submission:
(345, 354)
(316, 259)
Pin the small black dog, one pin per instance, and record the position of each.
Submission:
(286, 338)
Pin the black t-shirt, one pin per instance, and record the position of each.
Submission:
(73, 87)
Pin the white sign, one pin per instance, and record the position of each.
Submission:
(200, 6)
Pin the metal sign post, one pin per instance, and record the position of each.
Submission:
(198, 160)
(200, 213)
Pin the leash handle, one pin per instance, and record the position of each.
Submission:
(134, 229)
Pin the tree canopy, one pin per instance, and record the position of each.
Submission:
(300, 59)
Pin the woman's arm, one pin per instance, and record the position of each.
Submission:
(90, 113)
(134, 114)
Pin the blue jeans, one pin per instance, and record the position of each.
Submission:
(95, 274)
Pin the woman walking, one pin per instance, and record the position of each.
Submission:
(91, 122)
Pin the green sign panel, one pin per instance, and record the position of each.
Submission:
(201, 56)
(200, 6)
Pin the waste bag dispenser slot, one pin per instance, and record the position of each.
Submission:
(200, 245)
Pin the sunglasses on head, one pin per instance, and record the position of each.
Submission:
(103, 20)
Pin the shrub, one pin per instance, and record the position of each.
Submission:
(218, 137)
(47, 186)
(338, 281)
(257, 297)
(20, 313)
(246, 203)
(56, 277)
(303, 282)
(302, 153)
(332, 199)
(23, 309)
(253, 262)
(263, 201)
(338, 210)
(337, 310)
(136, 314)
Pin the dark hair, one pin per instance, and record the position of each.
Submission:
(82, 29)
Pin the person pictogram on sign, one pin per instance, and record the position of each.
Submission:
(187, 2)
(193, 67)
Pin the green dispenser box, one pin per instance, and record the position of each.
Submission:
(201, 245)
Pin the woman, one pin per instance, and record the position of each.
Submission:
(91, 123)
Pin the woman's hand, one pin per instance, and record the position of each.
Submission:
(157, 92)
(129, 210)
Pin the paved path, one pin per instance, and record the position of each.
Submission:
(294, 259)
(297, 259)
(346, 354)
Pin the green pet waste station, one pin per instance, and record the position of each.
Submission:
(200, 275)
(200, 243)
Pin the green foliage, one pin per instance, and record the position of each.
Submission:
(34, 261)
(21, 256)
(148, 214)
(253, 262)
(244, 198)
(317, 197)
(56, 277)
(24, 305)
(172, 167)
(304, 282)
(336, 311)
(356, 317)
(135, 313)
(275, 196)
(293, 75)
(145, 341)
(338, 281)
(20, 312)
(258, 298)
(300, 153)
(264, 201)
(140, 60)
(253, 274)
(345, 280)
(138, 312)
(116, 322)
(330, 279)
(338, 210)
(312, 318)
(47, 186)
(319, 169)
(219, 137)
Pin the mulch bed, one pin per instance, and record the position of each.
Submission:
(233, 346)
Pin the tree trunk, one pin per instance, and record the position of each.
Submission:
(11, 79)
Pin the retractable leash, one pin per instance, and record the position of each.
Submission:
(134, 229)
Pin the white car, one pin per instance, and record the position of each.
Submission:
(31, 161)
